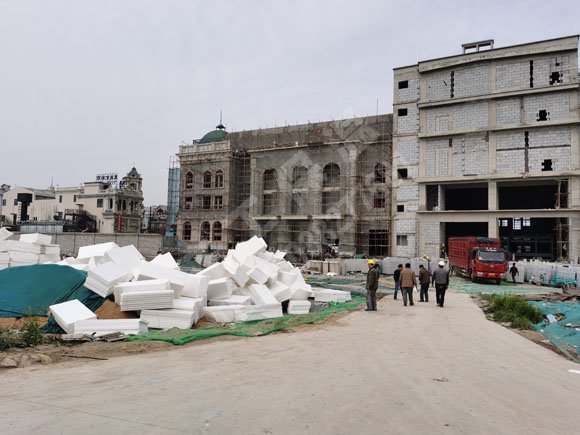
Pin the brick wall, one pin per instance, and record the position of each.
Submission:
(507, 111)
(511, 76)
(468, 154)
(407, 152)
(457, 117)
(464, 82)
(411, 93)
(557, 104)
(147, 244)
(546, 143)
(410, 122)
(408, 192)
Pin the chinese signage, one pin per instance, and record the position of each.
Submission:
(111, 178)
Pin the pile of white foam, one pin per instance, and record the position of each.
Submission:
(28, 250)
(250, 284)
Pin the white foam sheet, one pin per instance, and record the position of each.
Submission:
(134, 301)
(261, 295)
(195, 286)
(215, 271)
(257, 276)
(280, 291)
(219, 288)
(97, 250)
(140, 286)
(287, 278)
(301, 292)
(299, 307)
(269, 269)
(166, 260)
(231, 300)
(104, 277)
(119, 255)
(226, 313)
(108, 326)
(50, 249)
(43, 239)
(5, 234)
(18, 246)
(67, 313)
(177, 278)
(329, 295)
(236, 272)
(264, 311)
(191, 304)
(170, 318)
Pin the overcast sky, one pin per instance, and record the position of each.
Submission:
(91, 86)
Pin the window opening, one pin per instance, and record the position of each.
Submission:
(402, 173)
(404, 84)
(402, 112)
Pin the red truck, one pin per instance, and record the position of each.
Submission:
(477, 258)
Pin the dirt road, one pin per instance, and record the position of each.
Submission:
(407, 370)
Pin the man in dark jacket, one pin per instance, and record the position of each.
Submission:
(408, 281)
(372, 286)
(441, 281)
(396, 277)
(424, 281)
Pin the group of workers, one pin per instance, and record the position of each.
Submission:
(406, 281)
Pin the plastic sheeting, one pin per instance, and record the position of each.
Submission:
(30, 290)
(564, 333)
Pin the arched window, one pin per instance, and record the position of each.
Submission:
(186, 231)
(207, 180)
(205, 231)
(379, 200)
(133, 186)
(189, 180)
(219, 178)
(217, 231)
(299, 177)
(270, 179)
(380, 173)
(331, 175)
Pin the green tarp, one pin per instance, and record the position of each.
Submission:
(30, 290)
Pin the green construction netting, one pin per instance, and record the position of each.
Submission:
(248, 329)
(354, 284)
(565, 333)
(464, 285)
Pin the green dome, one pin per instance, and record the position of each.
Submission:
(215, 136)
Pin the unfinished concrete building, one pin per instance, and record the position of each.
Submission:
(486, 143)
(313, 188)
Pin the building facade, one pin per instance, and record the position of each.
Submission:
(486, 143)
(95, 206)
(322, 187)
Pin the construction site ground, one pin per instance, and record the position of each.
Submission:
(419, 369)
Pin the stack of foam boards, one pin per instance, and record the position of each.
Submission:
(231, 300)
(146, 300)
(191, 304)
(167, 319)
(109, 326)
(139, 286)
(329, 295)
(67, 313)
(226, 313)
(299, 307)
(219, 288)
(280, 291)
(5, 234)
(49, 254)
(4, 260)
(23, 253)
(97, 252)
(182, 283)
(261, 295)
(166, 260)
(264, 311)
(41, 239)
(127, 257)
(104, 277)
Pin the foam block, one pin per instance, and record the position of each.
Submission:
(299, 307)
(261, 295)
(219, 288)
(67, 313)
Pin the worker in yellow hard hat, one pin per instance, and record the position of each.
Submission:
(372, 286)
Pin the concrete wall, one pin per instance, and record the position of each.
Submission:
(147, 244)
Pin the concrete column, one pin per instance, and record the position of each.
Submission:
(492, 195)
(492, 226)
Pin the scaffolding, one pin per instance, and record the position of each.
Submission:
(317, 190)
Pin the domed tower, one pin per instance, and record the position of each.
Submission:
(133, 180)
(217, 135)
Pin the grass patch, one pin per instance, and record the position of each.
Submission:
(512, 309)
(28, 335)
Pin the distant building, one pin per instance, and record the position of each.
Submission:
(104, 206)
(319, 188)
(154, 219)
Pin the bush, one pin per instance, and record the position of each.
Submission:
(30, 332)
(514, 310)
